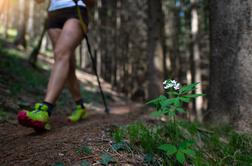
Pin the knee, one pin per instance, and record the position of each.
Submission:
(62, 54)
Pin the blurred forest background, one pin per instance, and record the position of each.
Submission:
(139, 43)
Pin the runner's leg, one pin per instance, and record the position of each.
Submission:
(72, 81)
(70, 37)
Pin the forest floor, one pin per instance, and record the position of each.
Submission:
(64, 144)
(23, 146)
(99, 139)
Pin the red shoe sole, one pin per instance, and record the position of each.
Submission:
(25, 121)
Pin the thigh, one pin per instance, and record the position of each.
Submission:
(70, 36)
(54, 34)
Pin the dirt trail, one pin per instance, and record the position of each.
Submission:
(22, 146)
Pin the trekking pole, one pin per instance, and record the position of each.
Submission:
(85, 29)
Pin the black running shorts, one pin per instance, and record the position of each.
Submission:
(57, 18)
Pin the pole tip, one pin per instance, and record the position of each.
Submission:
(107, 110)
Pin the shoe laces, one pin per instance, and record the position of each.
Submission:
(38, 107)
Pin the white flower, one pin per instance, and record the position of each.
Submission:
(177, 86)
(171, 84)
(167, 86)
(174, 82)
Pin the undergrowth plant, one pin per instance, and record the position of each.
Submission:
(169, 105)
(175, 141)
(167, 142)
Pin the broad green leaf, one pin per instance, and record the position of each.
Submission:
(165, 103)
(156, 100)
(181, 110)
(177, 102)
(188, 88)
(189, 152)
(173, 93)
(172, 113)
(180, 157)
(162, 97)
(156, 114)
(185, 99)
(168, 148)
(85, 163)
(106, 159)
(165, 110)
(194, 95)
(169, 102)
(186, 144)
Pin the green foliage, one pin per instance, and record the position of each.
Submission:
(106, 159)
(193, 144)
(188, 88)
(85, 163)
(84, 150)
(22, 79)
(180, 152)
(3, 115)
(150, 159)
(168, 148)
(118, 135)
(167, 141)
(58, 164)
(121, 146)
(229, 147)
(139, 134)
(171, 103)
(180, 142)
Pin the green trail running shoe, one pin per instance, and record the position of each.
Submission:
(78, 114)
(38, 119)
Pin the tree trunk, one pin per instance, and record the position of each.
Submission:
(97, 19)
(195, 59)
(5, 14)
(24, 8)
(230, 97)
(34, 55)
(30, 26)
(154, 47)
(175, 50)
